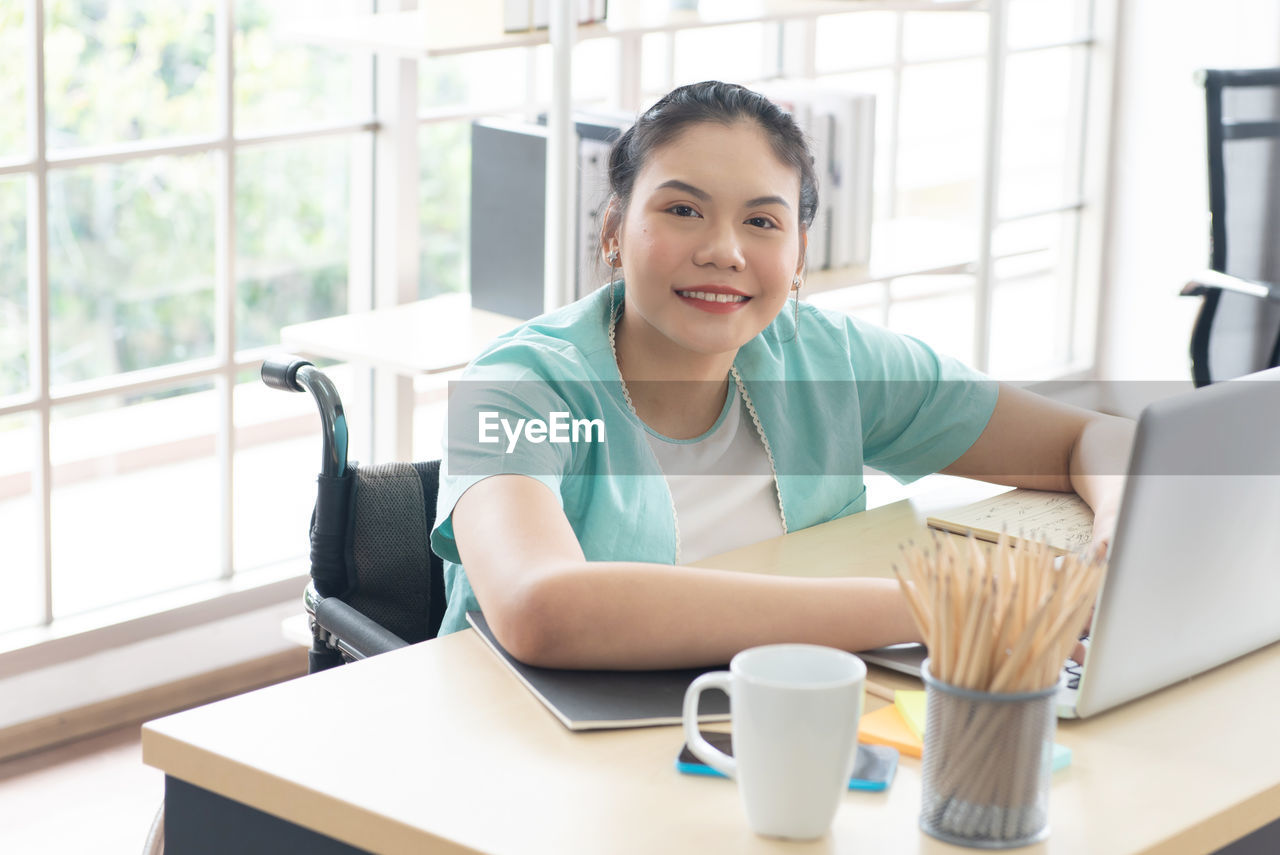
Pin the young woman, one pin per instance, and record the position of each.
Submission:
(716, 411)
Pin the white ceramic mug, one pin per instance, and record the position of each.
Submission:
(795, 711)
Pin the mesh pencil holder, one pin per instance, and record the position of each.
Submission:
(987, 764)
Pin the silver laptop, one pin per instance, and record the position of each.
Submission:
(1194, 576)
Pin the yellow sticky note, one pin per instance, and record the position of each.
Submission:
(886, 726)
(911, 706)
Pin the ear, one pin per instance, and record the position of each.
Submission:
(804, 248)
(609, 231)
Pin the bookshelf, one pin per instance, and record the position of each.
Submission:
(900, 247)
(438, 29)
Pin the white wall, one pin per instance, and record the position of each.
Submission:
(1159, 217)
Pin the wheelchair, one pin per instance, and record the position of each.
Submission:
(375, 584)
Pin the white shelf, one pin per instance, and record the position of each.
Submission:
(442, 29)
(911, 247)
(424, 337)
(905, 247)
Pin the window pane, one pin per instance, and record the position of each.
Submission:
(595, 72)
(13, 79)
(444, 207)
(855, 41)
(1040, 153)
(930, 35)
(864, 301)
(732, 53)
(131, 261)
(135, 497)
(940, 148)
(1034, 280)
(1038, 22)
(938, 310)
(23, 577)
(481, 80)
(15, 361)
(127, 70)
(293, 216)
(281, 84)
(276, 462)
(655, 62)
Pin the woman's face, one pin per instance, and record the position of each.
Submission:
(711, 240)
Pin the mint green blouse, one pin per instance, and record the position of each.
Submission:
(830, 394)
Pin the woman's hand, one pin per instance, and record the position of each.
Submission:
(1104, 526)
(1104, 529)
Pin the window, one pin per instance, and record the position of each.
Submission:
(929, 72)
(177, 182)
(189, 192)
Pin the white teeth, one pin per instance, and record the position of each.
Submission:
(712, 298)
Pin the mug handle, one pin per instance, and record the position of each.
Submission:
(703, 750)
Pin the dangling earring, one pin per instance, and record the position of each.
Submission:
(612, 258)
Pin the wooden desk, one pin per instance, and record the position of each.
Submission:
(426, 337)
(438, 748)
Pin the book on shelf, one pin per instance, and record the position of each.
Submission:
(597, 132)
(1062, 520)
(840, 125)
(519, 16)
(508, 180)
(851, 174)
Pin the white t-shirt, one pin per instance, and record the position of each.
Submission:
(722, 484)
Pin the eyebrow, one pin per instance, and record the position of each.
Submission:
(704, 196)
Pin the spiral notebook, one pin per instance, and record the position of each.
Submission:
(600, 700)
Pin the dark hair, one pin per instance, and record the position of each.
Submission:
(709, 101)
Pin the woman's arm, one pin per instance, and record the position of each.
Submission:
(1041, 444)
(551, 607)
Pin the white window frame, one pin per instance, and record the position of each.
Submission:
(384, 271)
(57, 639)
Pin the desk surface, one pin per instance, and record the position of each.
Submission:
(425, 337)
(444, 748)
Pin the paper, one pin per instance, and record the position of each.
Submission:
(1062, 520)
(1061, 757)
(901, 725)
(911, 706)
(886, 726)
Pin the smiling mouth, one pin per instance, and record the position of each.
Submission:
(713, 298)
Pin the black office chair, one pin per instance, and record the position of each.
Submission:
(1237, 331)
(375, 583)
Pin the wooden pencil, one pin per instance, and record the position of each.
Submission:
(876, 690)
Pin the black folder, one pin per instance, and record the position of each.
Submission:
(601, 700)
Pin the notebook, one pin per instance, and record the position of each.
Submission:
(599, 700)
(1196, 546)
(1062, 520)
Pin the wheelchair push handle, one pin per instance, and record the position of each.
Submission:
(281, 372)
(292, 374)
